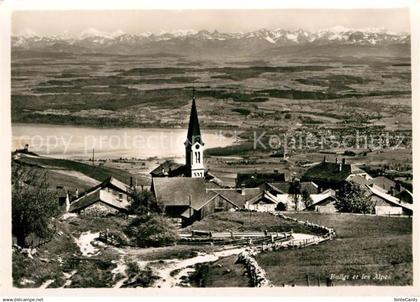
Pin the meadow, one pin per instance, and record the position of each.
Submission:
(368, 250)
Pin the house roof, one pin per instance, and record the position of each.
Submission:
(360, 180)
(253, 179)
(177, 190)
(235, 196)
(328, 172)
(284, 187)
(168, 167)
(265, 197)
(322, 197)
(384, 183)
(97, 195)
(110, 182)
(356, 170)
(194, 133)
(388, 198)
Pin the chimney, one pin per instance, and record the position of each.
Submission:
(243, 189)
(340, 167)
(76, 193)
(336, 160)
(26, 148)
(131, 182)
(325, 159)
(343, 161)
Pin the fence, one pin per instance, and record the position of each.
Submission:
(257, 275)
(234, 238)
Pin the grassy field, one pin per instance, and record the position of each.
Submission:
(73, 174)
(246, 221)
(373, 250)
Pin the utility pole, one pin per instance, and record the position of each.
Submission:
(93, 156)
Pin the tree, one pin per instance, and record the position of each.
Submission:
(306, 198)
(144, 203)
(352, 199)
(33, 204)
(294, 189)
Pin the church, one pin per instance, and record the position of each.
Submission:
(194, 159)
(188, 191)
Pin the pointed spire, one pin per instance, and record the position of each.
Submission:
(194, 134)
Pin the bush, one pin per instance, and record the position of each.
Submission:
(241, 111)
(116, 238)
(152, 231)
(139, 277)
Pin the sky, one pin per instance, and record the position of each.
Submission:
(137, 21)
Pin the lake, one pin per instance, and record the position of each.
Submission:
(110, 143)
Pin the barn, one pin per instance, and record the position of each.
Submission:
(108, 198)
(386, 204)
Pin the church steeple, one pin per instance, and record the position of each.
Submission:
(194, 134)
(194, 145)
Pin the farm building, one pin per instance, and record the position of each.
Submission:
(286, 196)
(263, 202)
(385, 185)
(109, 197)
(324, 202)
(386, 204)
(328, 175)
(255, 179)
(168, 168)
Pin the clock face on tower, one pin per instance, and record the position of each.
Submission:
(197, 146)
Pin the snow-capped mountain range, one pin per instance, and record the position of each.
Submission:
(93, 40)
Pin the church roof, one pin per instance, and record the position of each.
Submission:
(194, 133)
(176, 191)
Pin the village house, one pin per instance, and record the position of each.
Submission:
(386, 204)
(324, 202)
(109, 197)
(255, 179)
(385, 185)
(330, 175)
(290, 196)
